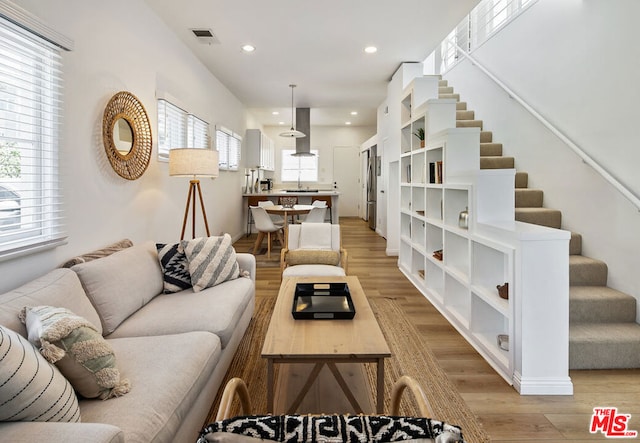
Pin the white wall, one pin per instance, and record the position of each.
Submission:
(122, 45)
(577, 63)
(324, 139)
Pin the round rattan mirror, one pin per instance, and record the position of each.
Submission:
(126, 134)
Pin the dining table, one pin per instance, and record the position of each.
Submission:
(286, 212)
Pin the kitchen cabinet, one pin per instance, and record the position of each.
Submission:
(260, 150)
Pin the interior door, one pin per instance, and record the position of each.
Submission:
(346, 173)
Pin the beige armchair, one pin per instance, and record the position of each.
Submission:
(313, 249)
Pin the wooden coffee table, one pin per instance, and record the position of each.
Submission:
(324, 342)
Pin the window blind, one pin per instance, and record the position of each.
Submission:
(229, 146)
(179, 129)
(31, 205)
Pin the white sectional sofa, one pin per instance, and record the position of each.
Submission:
(173, 348)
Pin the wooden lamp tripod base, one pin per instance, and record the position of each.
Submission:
(194, 185)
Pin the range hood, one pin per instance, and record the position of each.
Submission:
(303, 124)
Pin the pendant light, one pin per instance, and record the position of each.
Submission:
(292, 133)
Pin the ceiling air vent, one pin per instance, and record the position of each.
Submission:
(206, 36)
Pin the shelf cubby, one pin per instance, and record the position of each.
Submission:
(418, 228)
(434, 238)
(456, 201)
(418, 201)
(405, 198)
(434, 204)
(457, 299)
(486, 324)
(434, 279)
(456, 254)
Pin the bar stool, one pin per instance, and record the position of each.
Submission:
(327, 200)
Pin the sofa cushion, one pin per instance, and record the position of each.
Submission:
(212, 260)
(100, 253)
(167, 375)
(175, 267)
(122, 283)
(32, 389)
(60, 287)
(215, 310)
(77, 349)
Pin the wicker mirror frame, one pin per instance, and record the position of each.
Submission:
(130, 165)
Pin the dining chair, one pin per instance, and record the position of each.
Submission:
(254, 200)
(265, 225)
(316, 215)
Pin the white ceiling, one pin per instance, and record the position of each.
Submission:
(317, 45)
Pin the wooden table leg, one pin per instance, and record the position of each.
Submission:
(380, 387)
(345, 388)
(312, 377)
(270, 381)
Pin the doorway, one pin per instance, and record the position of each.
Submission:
(346, 175)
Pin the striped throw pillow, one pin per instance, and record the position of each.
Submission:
(212, 260)
(31, 388)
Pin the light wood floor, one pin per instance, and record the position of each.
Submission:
(507, 416)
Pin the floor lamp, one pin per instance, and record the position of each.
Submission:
(193, 162)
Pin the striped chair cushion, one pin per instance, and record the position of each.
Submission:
(212, 260)
(32, 389)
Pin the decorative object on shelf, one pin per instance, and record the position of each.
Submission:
(126, 135)
(420, 135)
(292, 133)
(247, 184)
(288, 202)
(503, 342)
(193, 162)
(438, 255)
(463, 219)
(503, 291)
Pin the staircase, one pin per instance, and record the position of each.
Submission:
(603, 333)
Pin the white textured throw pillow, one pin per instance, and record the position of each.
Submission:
(212, 260)
(32, 389)
(74, 345)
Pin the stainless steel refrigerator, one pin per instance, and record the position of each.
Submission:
(372, 178)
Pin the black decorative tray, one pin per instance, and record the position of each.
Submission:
(322, 301)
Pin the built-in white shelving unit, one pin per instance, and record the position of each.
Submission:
(459, 267)
(260, 150)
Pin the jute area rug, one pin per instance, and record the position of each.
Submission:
(410, 357)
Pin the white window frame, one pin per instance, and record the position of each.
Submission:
(178, 128)
(31, 103)
(298, 168)
(229, 146)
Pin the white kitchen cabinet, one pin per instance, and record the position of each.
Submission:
(260, 150)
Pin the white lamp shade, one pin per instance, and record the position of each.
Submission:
(193, 162)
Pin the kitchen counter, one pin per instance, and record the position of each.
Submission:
(292, 193)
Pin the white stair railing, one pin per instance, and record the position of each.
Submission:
(626, 192)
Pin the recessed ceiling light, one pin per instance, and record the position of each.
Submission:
(354, 112)
(248, 48)
(347, 123)
(275, 113)
(370, 49)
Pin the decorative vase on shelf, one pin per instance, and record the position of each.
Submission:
(463, 219)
